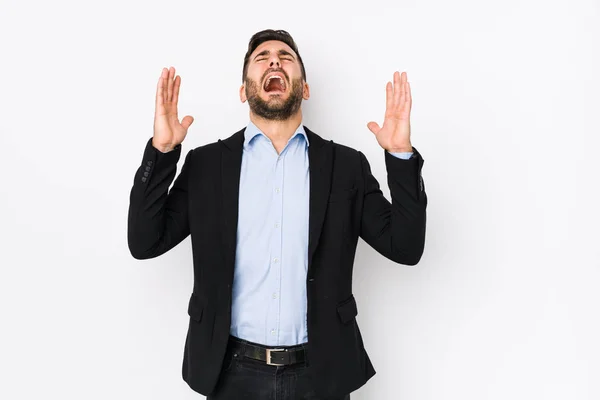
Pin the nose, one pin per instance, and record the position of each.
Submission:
(274, 61)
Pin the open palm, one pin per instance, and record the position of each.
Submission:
(168, 131)
(394, 136)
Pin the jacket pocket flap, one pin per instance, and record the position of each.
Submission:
(194, 308)
(347, 309)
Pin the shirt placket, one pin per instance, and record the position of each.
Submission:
(276, 221)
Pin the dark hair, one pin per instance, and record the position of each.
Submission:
(266, 35)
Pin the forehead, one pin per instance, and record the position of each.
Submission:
(272, 46)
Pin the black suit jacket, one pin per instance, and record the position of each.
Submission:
(345, 202)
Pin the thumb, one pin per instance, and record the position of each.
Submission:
(373, 127)
(187, 121)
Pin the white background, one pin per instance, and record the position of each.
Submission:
(504, 303)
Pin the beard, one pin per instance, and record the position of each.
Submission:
(275, 109)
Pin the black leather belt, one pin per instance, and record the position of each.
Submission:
(271, 356)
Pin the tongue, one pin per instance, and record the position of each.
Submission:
(274, 84)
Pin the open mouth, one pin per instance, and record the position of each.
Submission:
(274, 84)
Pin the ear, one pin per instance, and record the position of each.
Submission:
(243, 93)
(306, 91)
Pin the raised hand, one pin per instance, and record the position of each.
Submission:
(394, 136)
(168, 131)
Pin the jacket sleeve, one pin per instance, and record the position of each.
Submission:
(397, 229)
(158, 218)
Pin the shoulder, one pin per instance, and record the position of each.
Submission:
(345, 151)
(347, 161)
(340, 150)
(211, 151)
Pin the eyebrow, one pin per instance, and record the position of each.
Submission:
(280, 52)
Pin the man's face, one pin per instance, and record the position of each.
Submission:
(274, 86)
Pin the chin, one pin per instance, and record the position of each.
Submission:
(274, 96)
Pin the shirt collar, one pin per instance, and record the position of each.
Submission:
(252, 131)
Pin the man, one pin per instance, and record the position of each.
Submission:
(274, 213)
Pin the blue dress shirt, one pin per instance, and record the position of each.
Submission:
(269, 300)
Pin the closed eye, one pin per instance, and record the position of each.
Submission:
(286, 55)
(284, 58)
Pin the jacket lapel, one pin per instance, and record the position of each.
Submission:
(320, 159)
(231, 165)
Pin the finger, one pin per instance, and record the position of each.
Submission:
(402, 91)
(159, 88)
(187, 121)
(408, 96)
(389, 97)
(397, 87)
(373, 127)
(176, 89)
(165, 84)
(170, 84)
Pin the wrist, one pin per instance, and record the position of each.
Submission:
(163, 148)
(402, 149)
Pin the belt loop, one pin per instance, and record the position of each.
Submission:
(241, 344)
(243, 349)
(305, 349)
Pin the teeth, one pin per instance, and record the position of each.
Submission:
(275, 76)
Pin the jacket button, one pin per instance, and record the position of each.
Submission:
(311, 279)
(148, 168)
(143, 179)
(146, 174)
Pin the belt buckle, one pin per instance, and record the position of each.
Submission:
(269, 356)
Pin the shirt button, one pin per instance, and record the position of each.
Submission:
(274, 295)
(277, 190)
(273, 332)
(276, 225)
(276, 260)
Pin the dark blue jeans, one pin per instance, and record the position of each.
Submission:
(245, 378)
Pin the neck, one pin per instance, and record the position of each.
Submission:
(278, 131)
